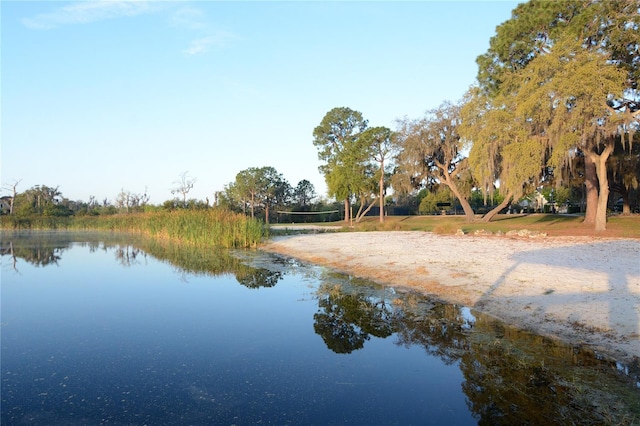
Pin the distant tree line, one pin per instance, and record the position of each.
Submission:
(259, 192)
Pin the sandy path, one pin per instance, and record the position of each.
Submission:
(581, 290)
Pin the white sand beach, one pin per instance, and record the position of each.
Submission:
(582, 290)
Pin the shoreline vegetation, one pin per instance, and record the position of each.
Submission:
(203, 228)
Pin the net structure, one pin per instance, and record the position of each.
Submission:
(323, 212)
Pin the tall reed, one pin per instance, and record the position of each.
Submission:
(213, 227)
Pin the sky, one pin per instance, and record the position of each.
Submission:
(103, 96)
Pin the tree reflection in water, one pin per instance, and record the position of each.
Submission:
(345, 321)
(47, 249)
(257, 277)
(511, 376)
(128, 255)
(39, 254)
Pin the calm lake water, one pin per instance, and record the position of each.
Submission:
(100, 328)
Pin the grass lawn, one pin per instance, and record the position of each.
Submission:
(551, 224)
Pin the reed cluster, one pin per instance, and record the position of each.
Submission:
(213, 227)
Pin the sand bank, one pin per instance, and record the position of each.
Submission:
(582, 290)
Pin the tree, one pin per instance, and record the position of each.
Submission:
(182, 186)
(42, 200)
(354, 177)
(304, 193)
(335, 138)
(131, 201)
(275, 189)
(579, 85)
(530, 32)
(381, 145)
(364, 187)
(259, 187)
(37, 200)
(625, 172)
(13, 189)
(504, 147)
(232, 198)
(431, 147)
(557, 105)
(571, 34)
(246, 188)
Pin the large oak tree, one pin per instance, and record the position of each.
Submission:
(563, 46)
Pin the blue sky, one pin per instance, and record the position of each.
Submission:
(108, 95)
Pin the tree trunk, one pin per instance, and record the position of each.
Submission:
(468, 211)
(626, 207)
(362, 211)
(13, 196)
(490, 215)
(347, 206)
(381, 194)
(591, 189)
(624, 193)
(469, 214)
(600, 162)
(266, 213)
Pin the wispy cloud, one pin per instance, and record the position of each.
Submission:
(188, 17)
(195, 20)
(90, 11)
(201, 45)
(181, 15)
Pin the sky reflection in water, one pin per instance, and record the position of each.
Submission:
(104, 331)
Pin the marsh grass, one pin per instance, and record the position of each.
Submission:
(215, 227)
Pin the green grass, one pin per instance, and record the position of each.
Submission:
(216, 227)
(551, 224)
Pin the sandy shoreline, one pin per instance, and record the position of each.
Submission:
(582, 290)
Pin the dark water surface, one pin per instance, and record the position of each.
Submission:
(105, 329)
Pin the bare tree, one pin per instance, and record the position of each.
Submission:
(131, 201)
(183, 186)
(13, 189)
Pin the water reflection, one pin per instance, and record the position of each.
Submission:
(508, 376)
(46, 249)
(128, 256)
(511, 376)
(346, 321)
(41, 253)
